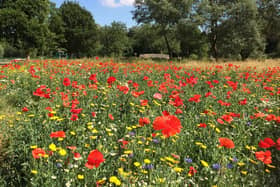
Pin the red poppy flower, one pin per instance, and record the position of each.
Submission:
(137, 94)
(192, 171)
(93, 78)
(123, 89)
(111, 116)
(66, 82)
(265, 157)
(219, 120)
(111, 80)
(77, 155)
(195, 98)
(38, 152)
(95, 158)
(168, 124)
(24, 109)
(124, 143)
(227, 118)
(208, 94)
(144, 102)
(202, 125)
(144, 121)
(93, 114)
(225, 142)
(270, 117)
(177, 102)
(74, 117)
(178, 111)
(58, 134)
(76, 111)
(278, 144)
(267, 143)
(243, 102)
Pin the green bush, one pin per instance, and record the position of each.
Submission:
(10, 51)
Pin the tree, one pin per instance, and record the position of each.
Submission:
(23, 24)
(210, 14)
(193, 42)
(232, 27)
(240, 33)
(164, 13)
(114, 40)
(146, 39)
(80, 30)
(269, 16)
(57, 29)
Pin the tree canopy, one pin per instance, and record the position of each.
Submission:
(237, 29)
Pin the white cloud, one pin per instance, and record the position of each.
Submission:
(117, 3)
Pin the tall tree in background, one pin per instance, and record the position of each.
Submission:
(232, 28)
(146, 39)
(57, 29)
(23, 25)
(164, 13)
(210, 14)
(193, 42)
(114, 40)
(269, 16)
(240, 34)
(80, 30)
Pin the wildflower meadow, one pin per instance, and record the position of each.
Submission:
(104, 123)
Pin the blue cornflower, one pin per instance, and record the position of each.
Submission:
(216, 166)
(249, 123)
(156, 141)
(188, 160)
(230, 166)
(131, 133)
(148, 166)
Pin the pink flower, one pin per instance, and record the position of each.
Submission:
(157, 96)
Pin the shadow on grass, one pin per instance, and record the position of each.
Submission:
(11, 168)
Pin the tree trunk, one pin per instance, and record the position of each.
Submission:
(213, 35)
(168, 45)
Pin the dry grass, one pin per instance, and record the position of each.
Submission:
(258, 64)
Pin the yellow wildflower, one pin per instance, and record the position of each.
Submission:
(147, 161)
(81, 177)
(52, 147)
(34, 172)
(33, 146)
(115, 180)
(204, 163)
(136, 164)
(62, 152)
(178, 170)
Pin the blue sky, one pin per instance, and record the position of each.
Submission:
(107, 11)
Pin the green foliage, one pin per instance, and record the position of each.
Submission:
(164, 13)
(23, 25)
(192, 41)
(146, 39)
(269, 19)
(202, 28)
(239, 35)
(80, 30)
(114, 40)
(1, 51)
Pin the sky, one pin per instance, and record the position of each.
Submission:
(107, 11)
